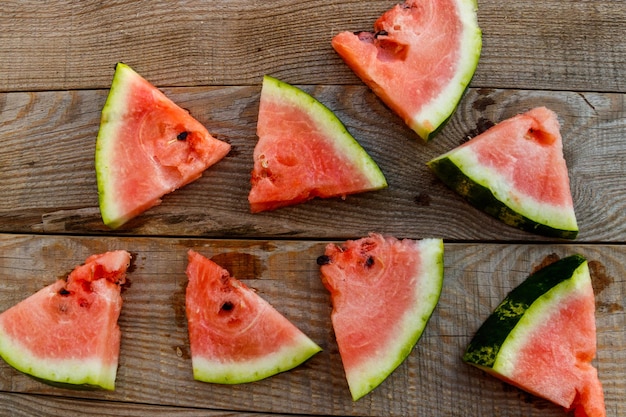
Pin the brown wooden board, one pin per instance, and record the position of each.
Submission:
(548, 44)
(155, 366)
(49, 181)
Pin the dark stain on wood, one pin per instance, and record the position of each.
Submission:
(482, 103)
(422, 200)
(599, 278)
(240, 265)
(548, 260)
(482, 124)
(178, 305)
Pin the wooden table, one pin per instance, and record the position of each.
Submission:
(57, 62)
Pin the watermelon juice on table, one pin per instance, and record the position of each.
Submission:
(67, 333)
(383, 292)
(304, 151)
(542, 338)
(419, 59)
(235, 335)
(516, 172)
(147, 147)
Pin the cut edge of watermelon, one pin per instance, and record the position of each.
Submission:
(70, 372)
(285, 359)
(114, 108)
(329, 123)
(487, 190)
(362, 381)
(433, 116)
(537, 311)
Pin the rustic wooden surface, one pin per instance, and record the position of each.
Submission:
(57, 61)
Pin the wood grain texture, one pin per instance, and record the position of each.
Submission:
(69, 44)
(27, 405)
(49, 182)
(155, 365)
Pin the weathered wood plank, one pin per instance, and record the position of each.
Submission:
(47, 180)
(552, 44)
(155, 366)
(27, 405)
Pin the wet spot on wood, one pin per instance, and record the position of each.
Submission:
(548, 260)
(133, 262)
(599, 277)
(240, 265)
(422, 200)
(126, 285)
(482, 103)
(483, 124)
(178, 305)
(609, 307)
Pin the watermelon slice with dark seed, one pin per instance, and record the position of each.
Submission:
(419, 59)
(304, 151)
(383, 291)
(516, 172)
(147, 147)
(67, 333)
(542, 338)
(235, 335)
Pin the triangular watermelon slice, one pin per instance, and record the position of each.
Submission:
(67, 334)
(516, 172)
(419, 59)
(542, 338)
(235, 335)
(383, 291)
(147, 147)
(304, 151)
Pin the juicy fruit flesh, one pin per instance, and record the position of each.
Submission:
(549, 350)
(147, 147)
(304, 152)
(418, 59)
(67, 332)
(235, 335)
(515, 171)
(383, 292)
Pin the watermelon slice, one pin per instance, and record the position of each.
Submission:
(516, 172)
(147, 147)
(304, 151)
(67, 334)
(542, 338)
(383, 292)
(419, 59)
(235, 335)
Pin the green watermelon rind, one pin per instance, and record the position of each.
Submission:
(114, 110)
(62, 372)
(285, 359)
(325, 120)
(431, 118)
(413, 323)
(486, 190)
(525, 307)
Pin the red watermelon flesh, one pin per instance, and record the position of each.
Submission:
(383, 291)
(574, 382)
(419, 59)
(67, 332)
(235, 335)
(147, 147)
(304, 151)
